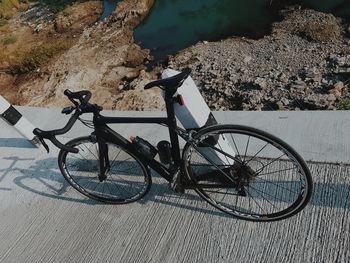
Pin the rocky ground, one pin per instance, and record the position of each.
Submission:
(33, 37)
(303, 65)
(104, 60)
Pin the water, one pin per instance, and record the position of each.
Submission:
(108, 8)
(176, 24)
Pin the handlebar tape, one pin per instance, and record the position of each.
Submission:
(83, 96)
(50, 135)
(62, 146)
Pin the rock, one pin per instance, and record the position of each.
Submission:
(247, 59)
(337, 89)
(280, 105)
(71, 18)
(214, 73)
(285, 101)
(336, 93)
(286, 47)
(261, 82)
(331, 98)
(341, 61)
(135, 56)
(323, 63)
(312, 73)
(38, 28)
(283, 78)
(339, 86)
(298, 84)
(324, 81)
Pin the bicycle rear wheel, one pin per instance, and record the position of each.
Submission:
(247, 173)
(128, 179)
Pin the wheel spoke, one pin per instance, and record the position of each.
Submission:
(239, 156)
(115, 157)
(283, 170)
(91, 152)
(262, 168)
(213, 191)
(246, 148)
(256, 203)
(276, 185)
(257, 153)
(220, 151)
(205, 157)
(260, 194)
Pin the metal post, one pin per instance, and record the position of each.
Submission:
(16, 119)
(195, 114)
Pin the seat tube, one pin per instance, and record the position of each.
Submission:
(175, 148)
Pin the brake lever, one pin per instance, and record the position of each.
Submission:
(43, 143)
(68, 110)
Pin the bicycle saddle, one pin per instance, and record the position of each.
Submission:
(172, 83)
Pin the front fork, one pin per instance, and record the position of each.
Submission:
(104, 159)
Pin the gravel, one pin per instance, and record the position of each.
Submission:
(292, 68)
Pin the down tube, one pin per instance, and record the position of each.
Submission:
(110, 135)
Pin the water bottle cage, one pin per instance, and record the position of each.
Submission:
(144, 147)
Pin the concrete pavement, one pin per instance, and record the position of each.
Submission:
(44, 220)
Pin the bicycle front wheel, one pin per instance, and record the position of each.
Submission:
(127, 179)
(247, 173)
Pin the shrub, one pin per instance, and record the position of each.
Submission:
(344, 105)
(6, 8)
(323, 31)
(3, 22)
(67, 12)
(310, 24)
(10, 39)
(37, 57)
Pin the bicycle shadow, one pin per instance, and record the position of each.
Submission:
(43, 177)
(16, 143)
(40, 178)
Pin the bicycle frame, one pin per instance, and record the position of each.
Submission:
(104, 133)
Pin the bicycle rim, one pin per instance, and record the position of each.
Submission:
(127, 179)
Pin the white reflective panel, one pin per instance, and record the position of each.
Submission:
(195, 112)
(4, 105)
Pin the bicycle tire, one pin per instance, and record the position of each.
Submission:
(255, 195)
(128, 184)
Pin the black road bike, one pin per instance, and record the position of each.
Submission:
(260, 178)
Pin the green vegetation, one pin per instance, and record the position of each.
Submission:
(3, 22)
(326, 30)
(67, 11)
(10, 39)
(37, 57)
(6, 8)
(344, 105)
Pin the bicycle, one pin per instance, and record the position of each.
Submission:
(260, 179)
